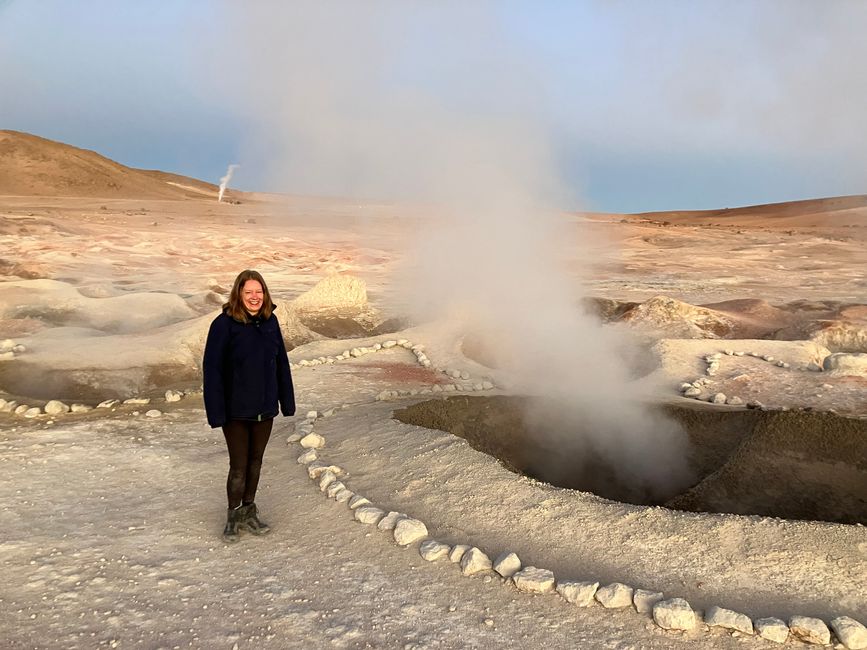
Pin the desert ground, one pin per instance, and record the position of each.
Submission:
(112, 511)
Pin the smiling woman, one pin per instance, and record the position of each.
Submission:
(246, 376)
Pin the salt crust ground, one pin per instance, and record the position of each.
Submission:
(127, 547)
(139, 500)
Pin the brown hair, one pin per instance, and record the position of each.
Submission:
(235, 306)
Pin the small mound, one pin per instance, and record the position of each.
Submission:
(337, 307)
(340, 295)
(680, 319)
(60, 304)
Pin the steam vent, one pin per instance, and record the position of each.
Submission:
(791, 465)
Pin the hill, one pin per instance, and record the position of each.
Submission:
(34, 166)
(834, 211)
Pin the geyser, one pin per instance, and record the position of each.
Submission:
(224, 181)
(787, 464)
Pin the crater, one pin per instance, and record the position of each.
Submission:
(785, 464)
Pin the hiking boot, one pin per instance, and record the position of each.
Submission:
(233, 519)
(249, 520)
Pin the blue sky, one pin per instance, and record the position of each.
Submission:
(631, 105)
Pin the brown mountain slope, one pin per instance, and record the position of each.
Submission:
(835, 211)
(34, 166)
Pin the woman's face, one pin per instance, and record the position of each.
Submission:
(252, 296)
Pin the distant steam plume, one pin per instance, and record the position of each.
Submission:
(224, 181)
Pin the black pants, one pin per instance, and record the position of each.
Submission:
(246, 440)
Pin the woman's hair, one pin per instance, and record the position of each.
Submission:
(235, 306)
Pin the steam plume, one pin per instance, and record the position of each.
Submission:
(224, 181)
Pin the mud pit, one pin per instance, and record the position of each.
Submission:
(791, 465)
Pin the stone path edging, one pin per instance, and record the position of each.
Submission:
(669, 614)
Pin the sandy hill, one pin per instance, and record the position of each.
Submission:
(835, 211)
(34, 166)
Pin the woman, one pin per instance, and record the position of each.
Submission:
(246, 374)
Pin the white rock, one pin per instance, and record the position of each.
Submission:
(478, 386)
(721, 617)
(426, 363)
(9, 406)
(377, 346)
(344, 495)
(734, 401)
(739, 353)
(80, 408)
(507, 564)
(810, 630)
(327, 478)
(153, 413)
(403, 342)
(474, 561)
(355, 352)
(767, 357)
(138, 401)
(293, 437)
(534, 580)
(307, 457)
(312, 441)
(389, 344)
(457, 552)
(685, 386)
(56, 407)
(846, 363)
(409, 530)
(312, 415)
(431, 550)
(107, 404)
(486, 385)
(18, 349)
(674, 614)
(7, 356)
(357, 501)
(851, 633)
(772, 629)
(615, 595)
(578, 593)
(644, 600)
(692, 392)
(6, 345)
(3, 403)
(718, 398)
(368, 514)
(333, 488)
(465, 375)
(728, 353)
(390, 520)
(173, 395)
(32, 412)
(21, 409)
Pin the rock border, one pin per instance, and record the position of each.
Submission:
(696, 389)
(674, 614)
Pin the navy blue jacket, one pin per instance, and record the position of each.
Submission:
(246, 371)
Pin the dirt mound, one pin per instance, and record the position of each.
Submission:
(337, 307)
(680, 319)
(34, 166)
